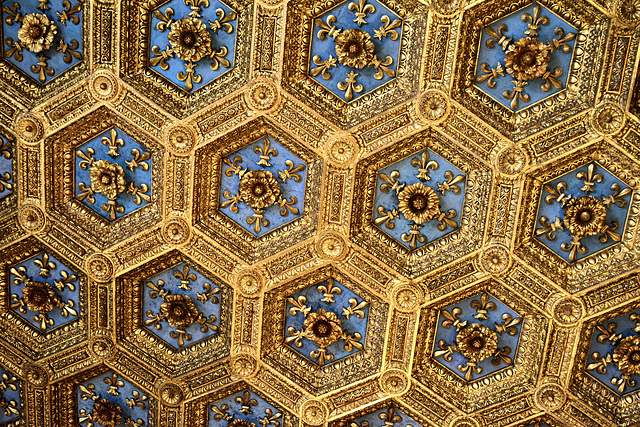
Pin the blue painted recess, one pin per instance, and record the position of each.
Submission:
(192, 286)
(276, 163)
(408, 169)
(516, 28)
(10, 404)
(6, 167)
(133, 160)
(116, 393)
(610, 337)
(221, 25)
(390, 416)
(67, 48)
(244, 406)
(601, 188)
(484, 310)
(351, 312)
(58, 280)
(323, 46)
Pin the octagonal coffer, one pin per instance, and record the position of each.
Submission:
(263, 186)
(11, 392)
(582, 212)
(181, 305)
(477, 337)
(419, 199)
(110, 399)
(192, 43)
(113, 174)
(525, 57)
(365, 39)
(7, 181)
(326, 322)
(244, 409)
(44, 292)
(614, 353)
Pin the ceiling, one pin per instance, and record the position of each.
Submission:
(302, 213)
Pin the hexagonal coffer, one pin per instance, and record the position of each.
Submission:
(365, 39)
(582, 212)
(105, 178)
(525, 57)
(614, 353)
(175, 309)
(318, 325)
(43, 299)
(42, 39)
(192, 45)
(258, 190)
(477, 337)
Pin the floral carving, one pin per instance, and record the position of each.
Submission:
(477, 342)
(526, 59)
(192, 41)
(627, 355)
(41, 34)
(418, 203)
(107, 178)
(259, 189)
(40, 297)
(481, 331)
(598, 212)
(585, 216)
(323, 328)
(179, 310)
(37, 32)
(107, 414)
(354, 48)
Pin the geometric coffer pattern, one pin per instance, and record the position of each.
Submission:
(320, 213)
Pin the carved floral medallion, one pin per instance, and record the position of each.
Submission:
(582, 212)
(110, 400)
(192, 41)
(43, 39)
(477, 337)
(525, 57)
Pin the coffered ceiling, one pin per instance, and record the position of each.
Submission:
(304, 213)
